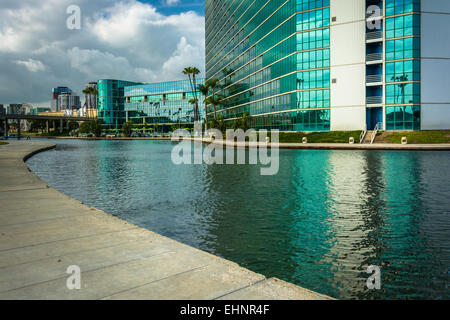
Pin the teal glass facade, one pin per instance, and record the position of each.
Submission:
(165, 103)
(273, 60)
(111, 102)
(402, 71)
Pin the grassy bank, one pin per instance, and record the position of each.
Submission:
(320, 137)
(416, 137)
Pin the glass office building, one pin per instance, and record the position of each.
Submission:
(111, 102)
(314, 65)
(163, 104)
(152, 104)
(273, 59)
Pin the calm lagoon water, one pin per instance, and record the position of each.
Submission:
(319, 223)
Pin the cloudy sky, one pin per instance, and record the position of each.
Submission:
(147, 40)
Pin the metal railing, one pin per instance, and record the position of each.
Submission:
(374, 78)
(374, 100)
(378, 127)
(372, 35)
(362, 136)
(374, 56)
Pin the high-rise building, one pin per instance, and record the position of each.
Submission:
(56, 92)
(2, 109)
(68, 102)
(15, 108)
(311, 65)
(165, 103)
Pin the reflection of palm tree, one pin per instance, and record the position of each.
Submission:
(227, 74)
(402, 78)
(299, 87)
(213, 85)
(204, 90)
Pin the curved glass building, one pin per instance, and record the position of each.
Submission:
(161, 104)
(312, 65)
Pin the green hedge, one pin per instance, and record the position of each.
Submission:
(420, 137)
(320, 137)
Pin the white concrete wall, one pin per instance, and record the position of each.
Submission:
(435, 116)
(435, 6)
(435, 65)
(348, 67)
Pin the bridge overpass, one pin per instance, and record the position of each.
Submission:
(48, 118)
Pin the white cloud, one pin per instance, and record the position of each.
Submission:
(32, 65)
(172, 2)
(126, 40)
(184, 52)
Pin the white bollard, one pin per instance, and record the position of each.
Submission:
(267, 139)
(351, 140)
(305, 140)
(404, 140)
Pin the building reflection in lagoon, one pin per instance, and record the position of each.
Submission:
(319, 223)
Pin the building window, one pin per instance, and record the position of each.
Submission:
(403, 118)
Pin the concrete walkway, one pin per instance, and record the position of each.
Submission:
(43, 232)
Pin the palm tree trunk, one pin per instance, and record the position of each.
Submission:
(206, 116)
(214, 106)
(197, 117)
(192, 88)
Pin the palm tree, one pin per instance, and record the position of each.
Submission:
(86, 92)
(213, 85)
(188, 71)
(244, 120)
(94, 92)
(192, 72)
(195, 72)
(194, 102)
(127, 128)
(204, 90)
(215, 100)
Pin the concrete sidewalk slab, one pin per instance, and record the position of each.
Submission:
(43, 231)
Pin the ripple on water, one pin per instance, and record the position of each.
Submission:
(319, 223)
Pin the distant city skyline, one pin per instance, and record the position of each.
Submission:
(144, 41)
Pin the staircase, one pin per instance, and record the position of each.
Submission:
(372, 134)
(368, 137)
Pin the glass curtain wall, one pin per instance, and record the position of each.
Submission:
(402, 64)
(162, 104)
(272, 58)
(111, 102)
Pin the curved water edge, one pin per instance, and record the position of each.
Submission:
(319, 223)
